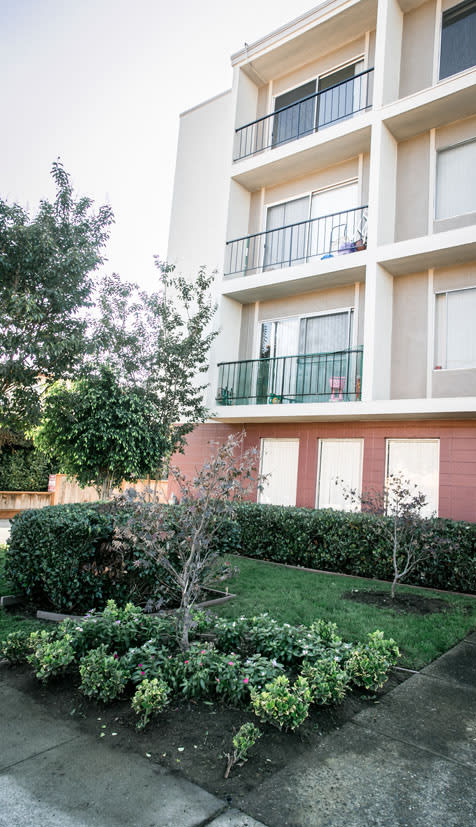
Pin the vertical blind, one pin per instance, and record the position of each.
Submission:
(455, 341)
(458, 39)
(456, 180)
(339, 471)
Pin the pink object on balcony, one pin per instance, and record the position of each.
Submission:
(337, 384)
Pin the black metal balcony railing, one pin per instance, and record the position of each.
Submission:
(306, 116)
(312, 377)
(326, 236)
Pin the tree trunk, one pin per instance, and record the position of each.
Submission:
(106, 487)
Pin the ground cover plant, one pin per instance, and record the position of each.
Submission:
(123, 652)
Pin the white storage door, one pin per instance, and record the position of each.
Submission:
(339, 470)
(417, 460)
(279, 459)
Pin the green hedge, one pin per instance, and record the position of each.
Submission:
(24, 469)
(355, 544)
(62, 558)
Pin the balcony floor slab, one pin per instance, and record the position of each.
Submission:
(393, 409)
(300, 278)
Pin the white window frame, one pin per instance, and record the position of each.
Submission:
(308, 194)
(435, 339)
(337, 68)
(349, 310)
(435, 167)
(419, 440)
(319, 464)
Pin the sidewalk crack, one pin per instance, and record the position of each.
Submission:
(36, 754)
(376, 731)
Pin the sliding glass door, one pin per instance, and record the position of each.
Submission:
(324, 370)
(286, 243)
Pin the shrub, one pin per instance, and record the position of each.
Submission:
(68, 557)
(50, 656)
(24, 469)
(369, 664)
(51, 556)
(150, 698)
(356, 543)
(244, 739)
(284, 706)
(150, 660)
(101, 675)
(327, 680)
(16, 647)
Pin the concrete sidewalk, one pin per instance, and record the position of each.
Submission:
(53, 776)
(408, 760)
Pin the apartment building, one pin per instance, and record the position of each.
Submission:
(333, 187)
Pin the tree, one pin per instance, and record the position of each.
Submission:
(159, 342)
(101, 431)
(400, 507)
(184, 547)
(46, 266)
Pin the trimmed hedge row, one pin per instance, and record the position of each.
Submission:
(356, 544)
(63, 556)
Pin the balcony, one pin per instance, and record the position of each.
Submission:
(309, 115)
(311, 377)
(323, 237)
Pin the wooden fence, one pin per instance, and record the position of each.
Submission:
(62, 491)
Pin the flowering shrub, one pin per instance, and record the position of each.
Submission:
(49, 657)
(150, 697)
(369, 663)
(244, 739)
(118, 629)
(16, 647)
(327, 680)
(151, 660)
(284, 706)
(101, 675)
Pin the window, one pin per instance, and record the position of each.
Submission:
(456, 180)
(323, 222)
(300, 111)
(458, 39)
(417, 460)
(321, 367)
(455, 339)
(339, 470)
(279, 460)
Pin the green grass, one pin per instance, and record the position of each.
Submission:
(10, 622)
(294, 596)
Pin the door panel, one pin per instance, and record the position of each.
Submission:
(279, 459)
(339, 471)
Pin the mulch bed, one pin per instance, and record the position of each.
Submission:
(402, 603)
(191, 738)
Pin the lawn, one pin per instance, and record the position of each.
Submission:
(294, 596)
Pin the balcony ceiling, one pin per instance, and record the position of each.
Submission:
(301, 41)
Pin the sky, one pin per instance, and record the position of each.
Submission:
(101, 84)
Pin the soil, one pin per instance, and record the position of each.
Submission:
(192, 738)
(402, 603)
